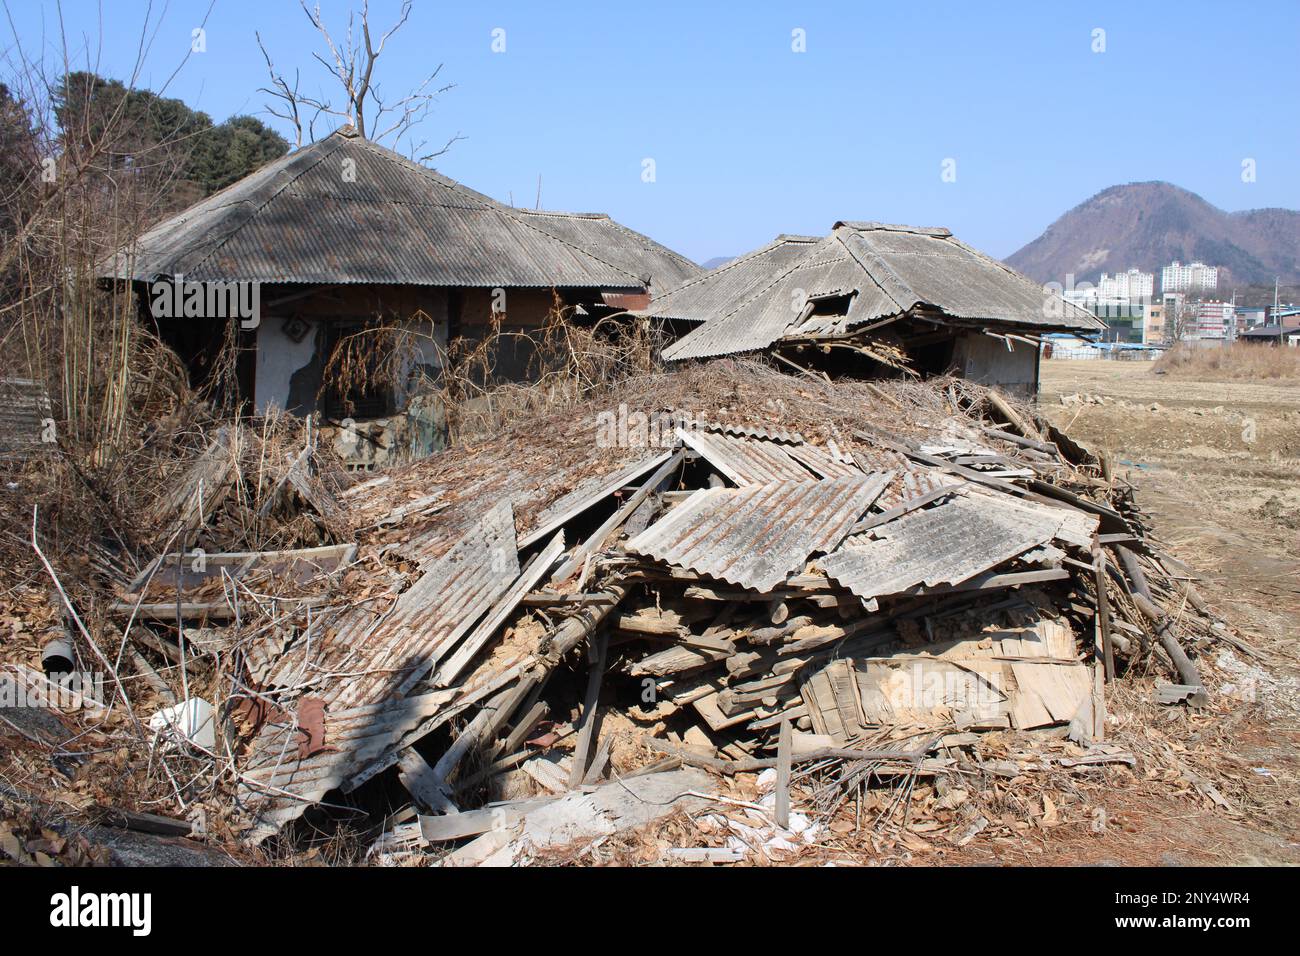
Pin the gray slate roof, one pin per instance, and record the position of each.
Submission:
(892, 269)
(344, 210)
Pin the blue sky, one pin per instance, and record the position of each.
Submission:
(751, 139)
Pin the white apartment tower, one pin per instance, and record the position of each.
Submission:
(1132, 286)
(1196, 277)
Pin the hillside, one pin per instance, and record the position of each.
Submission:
(1148, 225)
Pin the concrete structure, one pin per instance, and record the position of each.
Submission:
(1212, 320)
(1154, 329)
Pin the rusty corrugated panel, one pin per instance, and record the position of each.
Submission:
(946, 544)
(911, 480)
(759, 535)
(364, 660)
(746, 461)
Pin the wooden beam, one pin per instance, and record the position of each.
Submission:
(590, 707)
(597, 538)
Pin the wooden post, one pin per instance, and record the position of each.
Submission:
(783, 755)
(1103, 611)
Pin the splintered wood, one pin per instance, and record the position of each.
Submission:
(541, 615)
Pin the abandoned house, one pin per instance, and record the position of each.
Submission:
(342, 234)
(872, 298)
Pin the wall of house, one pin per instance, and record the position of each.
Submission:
(288, 373)
(985, 359)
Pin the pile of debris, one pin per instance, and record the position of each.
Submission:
(585, 623)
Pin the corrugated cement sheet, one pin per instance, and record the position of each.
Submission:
(827, 462)
(891, 269)
(24, 405)
(722, 289)
(279, 785)
(946, 544)
(383, 650)
(625, 248)
(344, 210)
(759, 535)
(746, 461)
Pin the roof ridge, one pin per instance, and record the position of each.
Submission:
(881, 264)
(512, 213)
(779, 240)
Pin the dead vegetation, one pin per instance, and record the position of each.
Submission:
(239, 585)
(1238, 362)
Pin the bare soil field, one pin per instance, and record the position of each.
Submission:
(1217, 464)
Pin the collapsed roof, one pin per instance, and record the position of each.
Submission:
(872, 272)
(780, 551)
(345, 210)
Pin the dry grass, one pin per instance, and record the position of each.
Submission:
(1230, 362)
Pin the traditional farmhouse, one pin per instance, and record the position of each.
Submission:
(869, 297)
(343, 233)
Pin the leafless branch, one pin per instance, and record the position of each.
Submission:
(351, 61)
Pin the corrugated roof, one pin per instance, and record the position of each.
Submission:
(943, 545)
(889, 270)
(746, 461)
(344, 210)
(626, 248)
(387, 652)
(759, 535)
(280, 786)
(702, 297)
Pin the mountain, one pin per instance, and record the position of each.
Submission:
(1148, 225)
(716, 261)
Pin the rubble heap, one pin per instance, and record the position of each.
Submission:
(720, 570)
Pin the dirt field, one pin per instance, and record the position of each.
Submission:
(1217, 464)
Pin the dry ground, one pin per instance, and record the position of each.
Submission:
(1217, 464)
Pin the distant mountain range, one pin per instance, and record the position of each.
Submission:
(715, 262)
(1148, 225)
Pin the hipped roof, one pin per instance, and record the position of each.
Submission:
(888, 270)
(345, 210)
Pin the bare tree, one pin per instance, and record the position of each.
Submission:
(351, 62)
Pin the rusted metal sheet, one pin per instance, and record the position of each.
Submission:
(758, 535)
(946, 544)
(746, 461)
